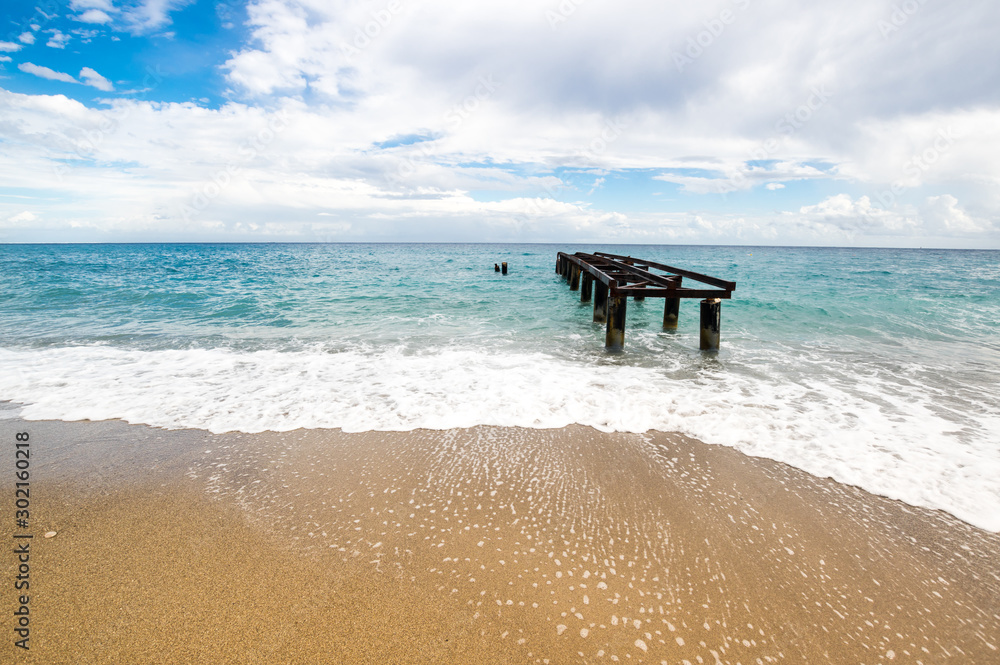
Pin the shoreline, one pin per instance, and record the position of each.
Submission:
(486, 544)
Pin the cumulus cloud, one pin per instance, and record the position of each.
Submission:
(105, 5)
(9, 47)
(46, 73)
(150, 15)
(93, 16)
(944, 213)
(89, 76)
(26, 38)
(95, 80)
(600, 89)
(58, 39)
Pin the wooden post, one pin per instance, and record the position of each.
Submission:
(600, 302)
(672, 308)
(503, 268)
(614, 338)
(711, 315)
(671, 312)
(558, 264)
(587, 287)
(574, 278)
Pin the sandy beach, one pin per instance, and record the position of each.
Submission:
(482, 545)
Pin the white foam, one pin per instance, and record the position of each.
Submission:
(863, 434)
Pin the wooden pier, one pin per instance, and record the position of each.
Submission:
(611, 278)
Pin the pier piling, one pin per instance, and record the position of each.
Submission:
(574, 278)
(671, 313)
(503, 268)
(711, 316)
(600, 302)
(587, 287)
(614, 338)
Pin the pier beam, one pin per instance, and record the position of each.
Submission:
(600, 302)
(711, 315)
(614, 338)
(574, 277)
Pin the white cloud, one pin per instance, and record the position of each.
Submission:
(5, 58)
(151, 15)
(26, 38)
(46, 73)
(943, 212)
(26, 216)
(95, 80)
(93, 16)
(58, 39)
(89, 76)
(9, 47)
(600, 92)
(105, 5)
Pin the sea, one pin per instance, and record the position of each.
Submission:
(879, 368)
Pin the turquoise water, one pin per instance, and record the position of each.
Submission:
(876, 367)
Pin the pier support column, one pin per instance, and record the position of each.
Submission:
(614, 338)
(574, 277)
(503, 268)
(587, 288)
(558, 265)
(711, 315)
(600, 302)
(671, 312)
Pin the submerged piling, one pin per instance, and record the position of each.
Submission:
(614, 338)
(711, 316)
(503, 268)
(586, 289)
(671, 313)
(600, 302)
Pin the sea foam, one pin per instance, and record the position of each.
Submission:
(863, 432)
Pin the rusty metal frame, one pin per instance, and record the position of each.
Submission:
(624, 277)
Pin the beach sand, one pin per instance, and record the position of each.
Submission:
(482, 545)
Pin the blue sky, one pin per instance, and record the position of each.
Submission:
(730, 121)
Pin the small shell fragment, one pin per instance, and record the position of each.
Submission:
(50, 534)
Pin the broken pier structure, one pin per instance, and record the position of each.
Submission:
(609, 279)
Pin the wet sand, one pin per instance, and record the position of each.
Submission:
(485, 545)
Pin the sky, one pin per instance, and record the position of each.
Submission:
(748, 122)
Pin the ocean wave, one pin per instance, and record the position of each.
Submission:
(875, 430)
